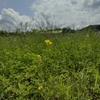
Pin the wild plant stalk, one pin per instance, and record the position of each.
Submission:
(96, 79)
(46, 23)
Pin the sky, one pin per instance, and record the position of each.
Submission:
(69, 13)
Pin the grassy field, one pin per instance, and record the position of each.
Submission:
(50, 67)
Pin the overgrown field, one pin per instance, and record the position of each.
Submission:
(50, 67)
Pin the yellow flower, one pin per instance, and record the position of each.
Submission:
(87, 35)
(48, 42)
(40, 87)
(39, 56)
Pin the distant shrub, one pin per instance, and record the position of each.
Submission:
(3, 33)
(67, 30)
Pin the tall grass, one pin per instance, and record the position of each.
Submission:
(65, 67)
(46, 24)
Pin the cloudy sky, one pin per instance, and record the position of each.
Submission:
(77, 13)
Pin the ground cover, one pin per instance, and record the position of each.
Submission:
(50, 67)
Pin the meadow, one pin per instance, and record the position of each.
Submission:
(50, 66)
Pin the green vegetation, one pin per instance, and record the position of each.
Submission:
(50, 66)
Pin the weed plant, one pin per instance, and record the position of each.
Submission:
(50, 67)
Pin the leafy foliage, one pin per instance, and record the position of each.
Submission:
(68, 68)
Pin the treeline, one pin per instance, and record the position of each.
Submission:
(92, 27)
(55, 31)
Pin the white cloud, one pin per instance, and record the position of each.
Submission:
(11, 19)
(95, 19)
(69, 11)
